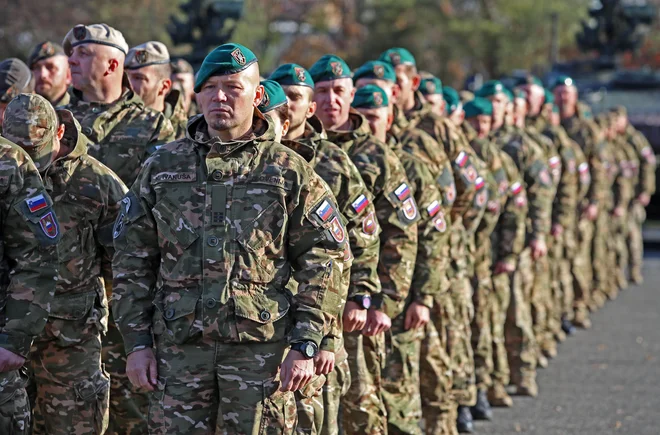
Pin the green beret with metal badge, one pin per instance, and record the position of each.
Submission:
(478, 106)
(273, 98)
(370, 97)
(377, 70)
(226, 59)
(328, 68)
(291, 74)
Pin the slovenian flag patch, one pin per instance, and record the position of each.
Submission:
(462, 159)
(325, 210)
(36, 203)
(433, 208)
(360, 204)
(516, 188)
(402, 192)
(480, 183)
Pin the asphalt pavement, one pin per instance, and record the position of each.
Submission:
(605, 380)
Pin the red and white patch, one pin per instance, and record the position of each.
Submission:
(462, 159)
(433, 208)
(337, 230)
(450, 194)
(554, 162)
(493, 207)
(503, 186)
(348, 254)
(545, 177)
(440, 223)
(410, 209)
(481, 198)
(521, 200)
(516, 188)
(49, 226)
(369, 224)
(571, 167)
(471, 174)
(402, 192)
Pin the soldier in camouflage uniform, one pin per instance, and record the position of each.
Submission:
(645, 188)
(306, 136)
(532, 165)
(72, 389)
(30, 233)
(149, 70)
(592, 176)
(52, 75)
(396, 211)
(15, 78)
(226, 236)
(183, 80)
(463, 200)
(123, 132)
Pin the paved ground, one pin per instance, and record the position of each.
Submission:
(605, 380)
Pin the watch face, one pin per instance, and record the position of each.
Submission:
(309, 350)
(366, 302)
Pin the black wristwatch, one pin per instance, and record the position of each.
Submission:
(309, 349)
(364, 301)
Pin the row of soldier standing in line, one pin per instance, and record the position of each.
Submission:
(366, 241)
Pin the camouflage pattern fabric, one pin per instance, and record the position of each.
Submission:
(270, 218)
(175, 112)
(30, 232)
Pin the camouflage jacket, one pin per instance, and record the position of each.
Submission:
(531, 163)
(628, 172)
(86, 196)
(647, 163)
(175, 112)
(209, 235)
(427, 153)
(396, 210)
(430, 276)
(355, 204)
(123, 133)
(586, 134)
(64, 101)
(30, 233)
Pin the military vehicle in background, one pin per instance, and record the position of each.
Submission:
(616, 28)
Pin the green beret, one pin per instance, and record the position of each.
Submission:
(224, 60)
(478, 106)
(430, 86)
(329, 67)
(44, 50)
(549, 97)
(375, 69)
(273, 98)
(562, 80)
(398, 56)
(528, 80)
(291, 74)
(508, 94)
(370, 97)
(490, 88)
(452, 99)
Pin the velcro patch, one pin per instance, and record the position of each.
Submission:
(479, 183)
(410, 209)
(433, 208)
(369, 224)
(402, 192)
(516, 188)
(554, 161)
(49, 226)
(462, 159)
(360, 203)
(440, 223)
(337, 230)
(325, 210)
(36, 203)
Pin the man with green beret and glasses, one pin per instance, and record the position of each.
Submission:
(397, 214)
(52, 76)
(441, 409)
(87, 195)
(203, 256)
(306, 136)
(401, 386)
(432, 90)
(589, 267)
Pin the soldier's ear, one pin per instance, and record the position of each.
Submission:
(311, 110)
(60, 131)
(165, 87)
(416, 81)
(258, 95)
(113, 65)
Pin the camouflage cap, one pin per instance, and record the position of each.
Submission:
(94, 34)
(478, 106)
(430, 86)
(377, 70)
(31, 122)
(224, 60)
(398, 56)
(329, 67)
(181, 66)
(15, 76)
(452, 99)
(44, 50)
(562, 80)
(291, 74)
(370, 97)
(273, 98)
(149, 53)
(490, 88)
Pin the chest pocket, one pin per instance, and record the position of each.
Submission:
(260, 219)
(176, 236)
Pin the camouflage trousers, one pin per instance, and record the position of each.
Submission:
(481, 326)
(363, 408)
(128, 404)
(519, 333)
(69, 388)
(205, 386)
(562, 256)
(401, 384)
(541, 301)
(581, 269)
(636, 217)
(620, 229)
(601, 258)
(463, 389)
(318, 402)
(15, 415)
(436, 369)
(500, 299)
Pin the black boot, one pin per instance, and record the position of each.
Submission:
(482, 410)
(567, 327)
(464, 423)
